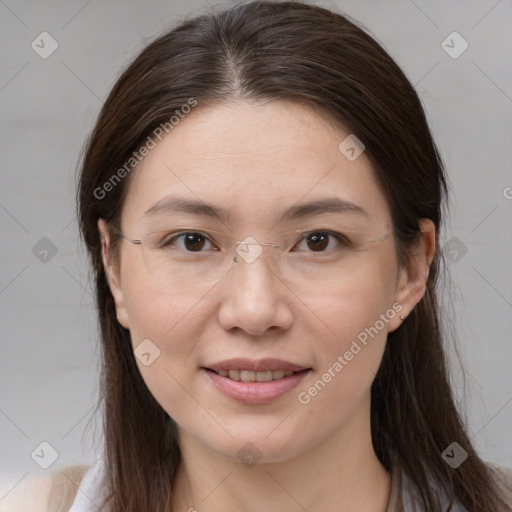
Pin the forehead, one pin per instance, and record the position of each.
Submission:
(254, 160)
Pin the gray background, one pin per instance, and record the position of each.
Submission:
(49, 363)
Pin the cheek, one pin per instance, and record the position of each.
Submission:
(167, 326)
(354, 321)
(350, 308)
(154, 312)
(164, 327)
(171, 321)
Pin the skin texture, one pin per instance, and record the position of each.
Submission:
(256, 160)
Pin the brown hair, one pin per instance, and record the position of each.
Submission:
(303, 53)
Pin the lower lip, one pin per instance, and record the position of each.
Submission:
(256, 393)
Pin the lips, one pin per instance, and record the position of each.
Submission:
(255, 382)
(255, 393)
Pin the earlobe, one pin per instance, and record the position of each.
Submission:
(413, 281)
(112, 273)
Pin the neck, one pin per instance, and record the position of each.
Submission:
(342, 474)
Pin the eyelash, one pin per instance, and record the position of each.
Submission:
(341, 239)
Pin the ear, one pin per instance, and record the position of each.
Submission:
(112, 272)
(412, 281)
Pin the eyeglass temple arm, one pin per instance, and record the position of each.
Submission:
(118, 232)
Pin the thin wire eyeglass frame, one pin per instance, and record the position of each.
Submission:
(244, 252)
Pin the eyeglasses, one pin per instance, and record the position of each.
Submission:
(178, 256)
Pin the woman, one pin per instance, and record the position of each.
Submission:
(261, 199)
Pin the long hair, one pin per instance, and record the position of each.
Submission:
(320, 59)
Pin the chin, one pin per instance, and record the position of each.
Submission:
(250, 447)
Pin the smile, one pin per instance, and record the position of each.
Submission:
(252, 376)
(252, 387)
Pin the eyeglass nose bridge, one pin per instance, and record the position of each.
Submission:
(250, 249)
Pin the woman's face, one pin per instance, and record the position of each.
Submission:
(266, 313)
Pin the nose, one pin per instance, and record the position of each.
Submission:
(254, 299)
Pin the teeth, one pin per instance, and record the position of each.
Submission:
(263, 376)
(248, 376)
(234, 374)
(251, 376)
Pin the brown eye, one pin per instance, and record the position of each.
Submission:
(194, 241)
(321, 241)
(318, 241)
(189, 241)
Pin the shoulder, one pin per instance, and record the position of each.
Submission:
(43, 492)
(64, 487)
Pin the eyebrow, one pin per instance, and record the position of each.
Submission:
(178, 205)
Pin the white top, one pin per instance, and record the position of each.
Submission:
(91, 491)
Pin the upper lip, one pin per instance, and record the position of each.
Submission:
(261, 365)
